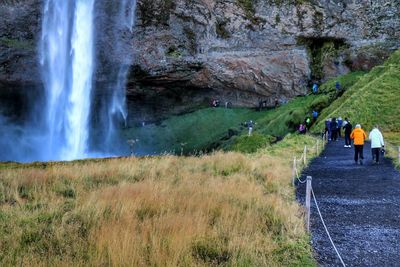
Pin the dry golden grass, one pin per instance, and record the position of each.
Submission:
(225, 209)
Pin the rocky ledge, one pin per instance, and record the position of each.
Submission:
(188, 52)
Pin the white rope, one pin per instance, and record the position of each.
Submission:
(302, 182)
(326, 229)
(297, 175)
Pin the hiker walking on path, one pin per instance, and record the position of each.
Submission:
(334, 129)
(302, 129)
(328, 129)
(359, 136)
(250, 125)
(315, 115)
(376, 143)
(347, 131)
(307, 122)
(315, 88)
(339, 128)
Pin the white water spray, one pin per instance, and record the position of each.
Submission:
(67, 60)
(67, 64)
(78, 107)
(116, 110)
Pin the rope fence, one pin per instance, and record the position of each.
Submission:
(298, 164)
(302, 161)
(326, 228)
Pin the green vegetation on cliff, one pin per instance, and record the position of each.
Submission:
(17, 43)
(372, 100)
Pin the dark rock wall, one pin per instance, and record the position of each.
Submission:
(187, 52)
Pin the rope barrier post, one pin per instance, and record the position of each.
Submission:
(294, 170)
(308, 200)
(305, 155)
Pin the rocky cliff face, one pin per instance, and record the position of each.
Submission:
(188, 52)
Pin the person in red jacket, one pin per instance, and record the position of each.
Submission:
(359, 136)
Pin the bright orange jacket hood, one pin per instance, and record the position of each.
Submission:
(358, 135)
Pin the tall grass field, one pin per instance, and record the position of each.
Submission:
(222, 209)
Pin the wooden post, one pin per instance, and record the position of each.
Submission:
(294, 170)
(305, 155)
(308, 201)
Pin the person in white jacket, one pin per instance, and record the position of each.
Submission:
(376, 143)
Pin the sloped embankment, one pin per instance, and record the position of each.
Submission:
(372, 100)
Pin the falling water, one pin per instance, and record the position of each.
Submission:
(114, 111)
(67, 64)
(67, 61)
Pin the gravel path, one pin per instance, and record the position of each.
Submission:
(360, 205)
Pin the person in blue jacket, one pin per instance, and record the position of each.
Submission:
(315, 114)
(315, 88)
(337, 85)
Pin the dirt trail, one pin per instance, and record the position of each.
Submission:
(360, 205)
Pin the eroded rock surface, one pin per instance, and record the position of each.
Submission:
(187, 52)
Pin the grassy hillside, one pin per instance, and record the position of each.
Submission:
(212, 128)
(196, 131)
(227, 209)
(374, 99)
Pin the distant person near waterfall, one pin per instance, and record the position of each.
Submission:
(250, 126)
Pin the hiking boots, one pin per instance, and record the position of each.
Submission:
(361, 162)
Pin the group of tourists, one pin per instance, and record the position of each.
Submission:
(333, 129)
(306, 125)
(377, 143)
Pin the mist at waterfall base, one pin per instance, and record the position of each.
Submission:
(73, 116)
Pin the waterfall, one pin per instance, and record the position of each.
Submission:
(114, 111)
(68, 65)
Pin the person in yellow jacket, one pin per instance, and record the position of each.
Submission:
(359, 136)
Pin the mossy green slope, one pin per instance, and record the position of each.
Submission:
(193, 131)
(212, 128)
(374, 99)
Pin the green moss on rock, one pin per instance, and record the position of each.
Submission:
(17, 43)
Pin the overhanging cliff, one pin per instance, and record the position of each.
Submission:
(187, 52)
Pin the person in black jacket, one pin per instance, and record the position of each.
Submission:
(347, 131)
(334, 129)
